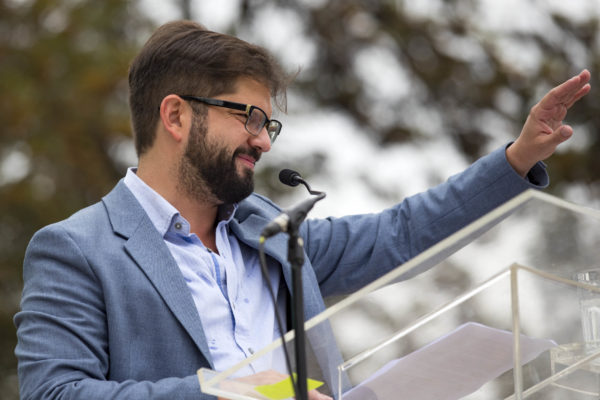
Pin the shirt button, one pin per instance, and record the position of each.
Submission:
(250, 350)
(178, 225)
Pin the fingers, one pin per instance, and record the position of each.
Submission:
(564, 132)
(553, 107)
(543, 130)
(568, 92)
(316, 395)
(558, 135)
(582, 92)
(571, 90)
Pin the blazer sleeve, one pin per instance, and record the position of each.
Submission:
(349, 252)
(63, 349)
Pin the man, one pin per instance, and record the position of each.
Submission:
(129, 297)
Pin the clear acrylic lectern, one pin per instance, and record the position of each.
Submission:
(491, 312)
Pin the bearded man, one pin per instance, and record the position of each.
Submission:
(127, 298)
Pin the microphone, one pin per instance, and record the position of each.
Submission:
(291, 218)
(290, 177)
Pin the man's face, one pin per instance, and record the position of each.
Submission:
(219, 157)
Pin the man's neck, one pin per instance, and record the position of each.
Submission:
(202, 218)
(201, 214)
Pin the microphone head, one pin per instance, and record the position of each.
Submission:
(289, 177)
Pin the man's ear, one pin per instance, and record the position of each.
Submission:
(175, 116)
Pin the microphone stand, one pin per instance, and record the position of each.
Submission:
(296, 260)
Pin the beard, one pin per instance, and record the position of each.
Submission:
(208, 171)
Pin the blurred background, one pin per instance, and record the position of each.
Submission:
(391, 98)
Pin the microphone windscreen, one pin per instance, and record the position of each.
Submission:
(289, 177)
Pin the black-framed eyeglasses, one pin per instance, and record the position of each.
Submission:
(256, 118)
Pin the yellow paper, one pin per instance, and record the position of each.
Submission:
(284, 389)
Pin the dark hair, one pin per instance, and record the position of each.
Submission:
(183, 57)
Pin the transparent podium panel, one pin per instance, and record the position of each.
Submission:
(496, 311)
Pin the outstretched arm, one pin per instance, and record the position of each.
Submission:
(544, 130)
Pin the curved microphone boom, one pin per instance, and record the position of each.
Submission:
(292, 178)
(292, 218)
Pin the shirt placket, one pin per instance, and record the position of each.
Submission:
(240, 321)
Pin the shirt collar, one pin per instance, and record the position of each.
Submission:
(159, 210)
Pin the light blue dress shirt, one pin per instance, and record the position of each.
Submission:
(229, 291)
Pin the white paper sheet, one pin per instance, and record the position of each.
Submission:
(449, 368)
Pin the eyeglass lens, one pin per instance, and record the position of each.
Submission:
(256, 121)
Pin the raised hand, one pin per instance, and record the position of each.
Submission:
(544, 130)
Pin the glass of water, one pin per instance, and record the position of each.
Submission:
(589, 301)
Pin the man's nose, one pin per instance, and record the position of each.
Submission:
(262, 141)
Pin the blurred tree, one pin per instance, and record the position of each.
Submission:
(65, 124)
(465, 77)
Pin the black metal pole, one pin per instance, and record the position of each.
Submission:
(296, 259)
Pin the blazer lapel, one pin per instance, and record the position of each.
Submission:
(249, 232)
(147, 248)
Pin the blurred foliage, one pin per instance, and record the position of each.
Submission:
(472, 79)
(66, 135)
(64, 113)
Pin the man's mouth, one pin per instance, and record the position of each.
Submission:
(248, 157)
(247, 160)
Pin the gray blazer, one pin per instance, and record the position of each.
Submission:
(106, 313)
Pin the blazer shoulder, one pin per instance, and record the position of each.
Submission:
(83, 223)
(94, 220)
